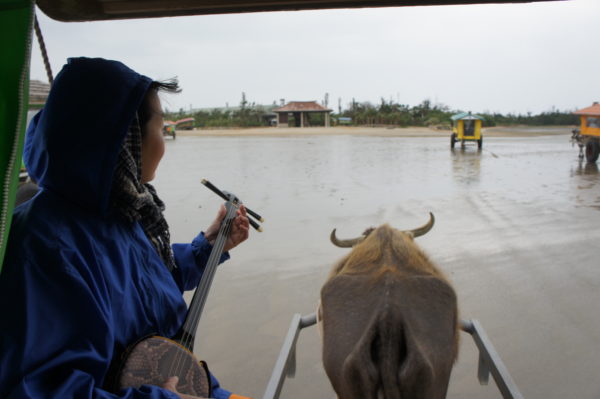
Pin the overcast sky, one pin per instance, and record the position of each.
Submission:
(485, 58)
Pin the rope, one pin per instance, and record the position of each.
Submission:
(40, 38)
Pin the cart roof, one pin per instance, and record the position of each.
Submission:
(90, 10)
(594, 110)
(465, 116)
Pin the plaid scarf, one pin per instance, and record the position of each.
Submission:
(137, 202)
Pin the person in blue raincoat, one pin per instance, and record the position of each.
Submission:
(89, 266)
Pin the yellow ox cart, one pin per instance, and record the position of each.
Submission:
(466, 127)
(588, 133)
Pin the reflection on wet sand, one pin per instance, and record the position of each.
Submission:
(586, 168)
(516, 230)
(466, 165)
(586, 180)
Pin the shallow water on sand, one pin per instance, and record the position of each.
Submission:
(517, 232)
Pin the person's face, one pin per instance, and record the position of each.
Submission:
(153, 144)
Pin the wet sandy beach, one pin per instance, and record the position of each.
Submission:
(517, 232)
(496, 131)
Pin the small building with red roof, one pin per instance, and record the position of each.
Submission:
(300, 112)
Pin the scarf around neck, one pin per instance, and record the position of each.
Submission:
(136, 201)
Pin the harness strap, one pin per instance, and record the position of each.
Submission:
(319, 316)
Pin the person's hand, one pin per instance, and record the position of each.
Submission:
(171, 385)
(239, 228)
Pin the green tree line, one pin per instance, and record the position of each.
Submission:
(428, 114)
(385, 113)
(245, 115)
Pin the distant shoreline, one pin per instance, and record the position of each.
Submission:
(497, 131)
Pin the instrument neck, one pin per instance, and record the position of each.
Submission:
(190, 325)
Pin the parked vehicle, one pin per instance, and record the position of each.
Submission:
(588, 134)
(169, 129)
(466, 127)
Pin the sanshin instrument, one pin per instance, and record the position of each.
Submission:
(152, 360)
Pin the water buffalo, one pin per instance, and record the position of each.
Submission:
(389, 319)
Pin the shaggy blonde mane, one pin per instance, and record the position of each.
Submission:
(387, 250)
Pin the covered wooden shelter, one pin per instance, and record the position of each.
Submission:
(300, 111)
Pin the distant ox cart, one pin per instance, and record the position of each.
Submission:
(466, 127)
(169, 129)
(587, 136)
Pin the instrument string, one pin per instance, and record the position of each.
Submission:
(206, 282)
(198, 301)
(196, 307)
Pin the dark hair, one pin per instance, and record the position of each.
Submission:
(145, 111)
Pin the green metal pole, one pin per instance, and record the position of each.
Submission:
(16, 23)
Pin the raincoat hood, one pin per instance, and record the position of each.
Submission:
(86, 117)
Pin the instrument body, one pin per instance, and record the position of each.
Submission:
(154, 359)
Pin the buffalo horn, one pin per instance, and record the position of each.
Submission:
(423, 229)
(344, 243)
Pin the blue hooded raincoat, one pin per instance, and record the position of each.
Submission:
(77, 280)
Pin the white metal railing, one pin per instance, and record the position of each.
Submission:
(489, 360)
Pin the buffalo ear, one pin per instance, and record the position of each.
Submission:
(368, 231)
